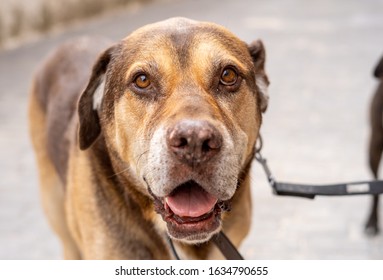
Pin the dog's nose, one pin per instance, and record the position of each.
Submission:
(194, 141)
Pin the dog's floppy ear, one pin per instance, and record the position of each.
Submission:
(378, 73)
(258, 53)
(90, 101)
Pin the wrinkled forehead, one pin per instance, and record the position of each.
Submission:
(182, 42)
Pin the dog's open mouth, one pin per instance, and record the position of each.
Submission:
(190, 212)
(190, 202)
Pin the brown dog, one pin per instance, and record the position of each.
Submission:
(162, 143)
(376, 146)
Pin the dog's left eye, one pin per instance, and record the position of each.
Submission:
(229, 76)
(142, 81)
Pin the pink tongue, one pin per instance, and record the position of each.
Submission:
(190, 201)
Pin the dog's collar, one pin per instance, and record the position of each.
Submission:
(222, 242)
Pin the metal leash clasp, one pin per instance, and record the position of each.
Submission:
(263, 162)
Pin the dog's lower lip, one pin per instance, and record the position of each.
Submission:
(186, 227)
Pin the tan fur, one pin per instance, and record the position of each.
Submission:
(52, 191)
(100, 183)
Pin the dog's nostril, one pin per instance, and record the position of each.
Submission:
(177, 142)
(205, 146)
(210, 144)
(183, 142)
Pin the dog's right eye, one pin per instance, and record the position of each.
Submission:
(142, 81)
(229, 76)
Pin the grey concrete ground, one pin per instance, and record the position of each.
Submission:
(320, 58)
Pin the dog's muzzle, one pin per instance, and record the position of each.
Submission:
(191, 174)
(190, 208)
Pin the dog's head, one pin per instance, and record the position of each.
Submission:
(179, 104)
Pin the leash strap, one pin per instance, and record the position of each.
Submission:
(174, 251)
(221, 241)
(226, 247)
(310, 191)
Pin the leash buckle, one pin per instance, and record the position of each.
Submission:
(258, 156)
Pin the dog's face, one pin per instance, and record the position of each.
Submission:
(179, 104)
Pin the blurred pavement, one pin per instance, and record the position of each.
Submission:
(320, 56)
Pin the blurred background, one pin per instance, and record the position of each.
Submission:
(320, 58)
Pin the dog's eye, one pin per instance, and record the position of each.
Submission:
(142, 81)
(229, 76)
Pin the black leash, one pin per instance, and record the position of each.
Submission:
(310, 191)
(222, 242)
(226, 247)
(174, 251)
